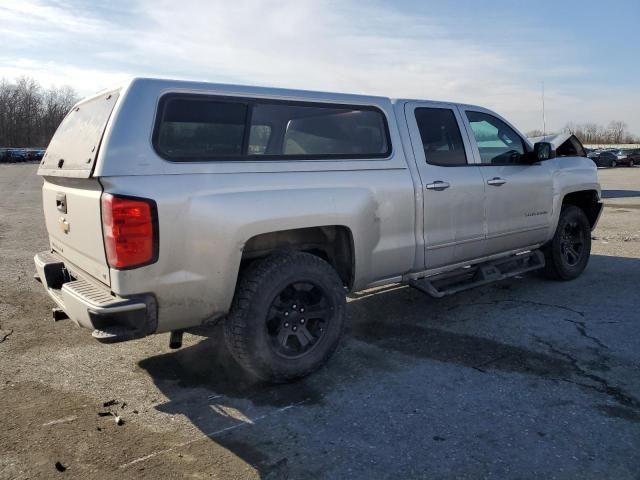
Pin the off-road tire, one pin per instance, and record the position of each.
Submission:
(556, 264)
(245, 327)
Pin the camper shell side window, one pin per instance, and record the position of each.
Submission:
(196, 127)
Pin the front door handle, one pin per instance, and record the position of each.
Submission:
(496, 181)
(438, 185)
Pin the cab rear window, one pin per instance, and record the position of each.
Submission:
(201, 128)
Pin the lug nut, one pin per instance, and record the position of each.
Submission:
(286, 324)
(286, 314)
(302, 321)
(295, 328)
(294, 307)
(301, 310)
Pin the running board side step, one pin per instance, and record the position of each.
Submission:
(465, 278)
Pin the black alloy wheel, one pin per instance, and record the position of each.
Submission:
(298, 318)
(572, 244)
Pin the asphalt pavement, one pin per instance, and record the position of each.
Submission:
(523, 379)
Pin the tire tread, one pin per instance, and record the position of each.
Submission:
(552, 268)
(236, 326)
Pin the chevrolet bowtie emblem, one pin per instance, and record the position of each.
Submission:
(64, 225)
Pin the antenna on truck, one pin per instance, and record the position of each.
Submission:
(544, 118)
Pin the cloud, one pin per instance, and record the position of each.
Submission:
(85, 80)
(320, 45)
(323, 45)
(40, 16)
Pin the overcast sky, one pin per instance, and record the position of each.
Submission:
(494, 53)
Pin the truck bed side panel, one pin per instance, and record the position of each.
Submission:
(205, 221)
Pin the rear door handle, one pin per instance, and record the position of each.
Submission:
(438, 185)
(496, 181)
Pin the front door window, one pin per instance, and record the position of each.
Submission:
(497, 142)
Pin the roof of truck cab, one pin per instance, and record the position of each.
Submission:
(444, 103)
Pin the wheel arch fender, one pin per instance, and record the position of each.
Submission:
(256, 218)
(575, 181)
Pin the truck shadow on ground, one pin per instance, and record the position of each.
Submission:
(392, 321)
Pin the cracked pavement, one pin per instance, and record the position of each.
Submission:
(523, 379)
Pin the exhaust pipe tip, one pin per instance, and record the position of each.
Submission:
(175, 340)
(58, 314)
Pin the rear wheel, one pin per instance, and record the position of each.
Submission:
(287, 316)
(567, 255)
(613, 163)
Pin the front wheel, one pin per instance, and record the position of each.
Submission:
(613, 164)
(631, 163)
(567, 255)
(287, 316)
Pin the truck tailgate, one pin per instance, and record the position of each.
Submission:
(72, 214)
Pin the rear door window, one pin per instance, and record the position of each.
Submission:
(441, 138)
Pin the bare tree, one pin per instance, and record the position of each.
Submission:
(569, 128)
(56, 103)
(29, 115)
(29, 95)
(592, 133)
(617, 131)
(535, 133)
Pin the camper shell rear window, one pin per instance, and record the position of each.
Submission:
(196, 127)
(75, 145)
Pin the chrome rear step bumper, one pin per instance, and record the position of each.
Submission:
(92, 305)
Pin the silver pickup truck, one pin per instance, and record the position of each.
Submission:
(170, 205)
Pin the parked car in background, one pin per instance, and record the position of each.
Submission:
(17, 155)
(628, 157)
(35, 154)
(604, 158)
(593, 154)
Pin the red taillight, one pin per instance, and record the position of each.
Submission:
(129, 228)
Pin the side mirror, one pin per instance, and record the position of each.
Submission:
(543, 151)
